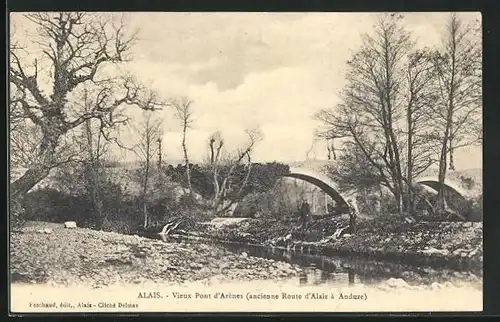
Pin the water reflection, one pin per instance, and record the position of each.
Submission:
(351, 275)
(350, 270)
(303, 278)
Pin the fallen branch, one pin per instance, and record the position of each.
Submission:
(170, 227)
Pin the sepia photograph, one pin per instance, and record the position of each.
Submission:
(245, 162)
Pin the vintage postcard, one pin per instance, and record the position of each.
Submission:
(245, 162)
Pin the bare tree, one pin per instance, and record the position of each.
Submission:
(95, 146)
(420, 97)
(184, 113)
(77, 47)
(223, 167)
(371, 113)
(459, 87)
(148, 132)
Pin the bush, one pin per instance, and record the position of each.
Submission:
(121, 212)
(385, 222)
(17, 215)
(123, 217)
(476, 210)
(50, 205)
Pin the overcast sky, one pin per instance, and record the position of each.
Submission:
(244, 70)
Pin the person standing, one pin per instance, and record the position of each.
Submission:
(305, 209)
(352, 216)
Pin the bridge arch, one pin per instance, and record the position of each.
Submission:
(457, 197)
(451, 186)
(324, 183)
(321, 181)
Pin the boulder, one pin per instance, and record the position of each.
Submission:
(396, 283)
(70, 224)
(47, 230)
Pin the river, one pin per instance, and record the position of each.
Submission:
(352, 270)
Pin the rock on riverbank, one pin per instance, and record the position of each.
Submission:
(84, 256)
(458, 243)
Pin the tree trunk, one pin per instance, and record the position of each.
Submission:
(440, 201)
(28, 180)
(37, 171)
(145, 212)
(452, 163)
(92, 184)
(409, 155)
(186, 159)
(144, 193)
(388, 129)
(441, 198)
(398, 196)
(92, 175)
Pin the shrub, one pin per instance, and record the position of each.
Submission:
(467, 182)
(476, 209)
(123, 217)
(385, 222)
(47, 204)
(54, 206)
(17, 215)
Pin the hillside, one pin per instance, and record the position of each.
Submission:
(123, 172)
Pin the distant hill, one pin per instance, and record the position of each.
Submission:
(123, 171)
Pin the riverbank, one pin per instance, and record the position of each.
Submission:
(49, 253)
(452, 244)
(50, 264)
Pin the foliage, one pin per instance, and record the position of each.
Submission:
(467, 182)
(262, 178)
(53, 206)
(17, 215)
(69, 199)
(353, 170)
(476, 209)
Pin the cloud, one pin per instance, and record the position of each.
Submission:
(280, 101)
(227, 47)
(242, 70)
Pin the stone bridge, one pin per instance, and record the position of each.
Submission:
(315, 172)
